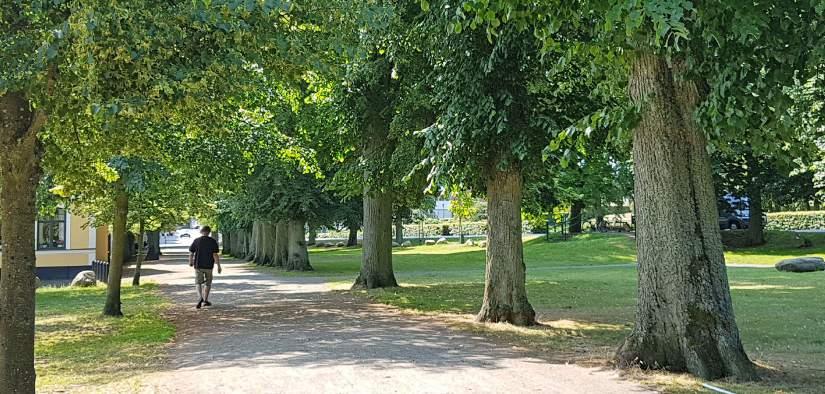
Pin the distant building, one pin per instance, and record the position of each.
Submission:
(65, 245)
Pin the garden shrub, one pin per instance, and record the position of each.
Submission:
(803, 220)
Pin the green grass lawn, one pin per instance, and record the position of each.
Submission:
(584, 292)
(75, 345)
(780, 245)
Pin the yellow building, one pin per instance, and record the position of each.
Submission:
(65, 244)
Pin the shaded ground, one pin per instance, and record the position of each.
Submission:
(268, 334)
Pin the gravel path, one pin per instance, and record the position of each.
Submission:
(292, 335)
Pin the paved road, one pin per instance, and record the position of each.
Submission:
(292, 335)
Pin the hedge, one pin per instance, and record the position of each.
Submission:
(805, 220)
(411, 230)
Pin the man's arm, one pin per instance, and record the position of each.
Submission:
(192, 249)
(217, 257)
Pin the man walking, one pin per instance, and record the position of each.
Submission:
(203, 256)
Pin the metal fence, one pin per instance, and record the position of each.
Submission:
(101, 270)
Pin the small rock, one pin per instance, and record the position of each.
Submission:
(84, 279)
(395, 244)
(482, 244)
(801, 264)
(406, 244)
(340, 244)
(441, 241)
(429, 242)
(470, 242)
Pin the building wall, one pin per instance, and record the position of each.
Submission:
(84, 244)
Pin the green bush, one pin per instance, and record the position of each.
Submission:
(804, 220)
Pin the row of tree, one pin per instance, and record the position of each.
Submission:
(276, 116)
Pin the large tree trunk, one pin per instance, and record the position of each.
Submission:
(756, 232)
(140, 255)
(298, 256)
(313, 234)
(153, 241)
(684, 316)
(377, 147)
(281, 243)
(119, 239)
(376, 263)
(20, 153)
(252, 242)
(576, 217)
(259, 234)
(399, 230)
(505, 294)
(352, 239)
(227, 242)
(269, 241)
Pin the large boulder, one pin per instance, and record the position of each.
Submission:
(84, 279)
(429, 242)
(441, 241)
(406, 244)
(801, 264)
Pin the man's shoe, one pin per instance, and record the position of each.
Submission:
(199, 304)
(207, 303)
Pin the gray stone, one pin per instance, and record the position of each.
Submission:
(37, 283)
(441, 241)
(470, 242)
(84, 279)
(801, 264)
(395, 244)
(406, 244)
(429, 242)
(340, 244)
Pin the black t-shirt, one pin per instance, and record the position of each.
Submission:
(203, 248)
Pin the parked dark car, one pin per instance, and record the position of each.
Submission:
(734, 213)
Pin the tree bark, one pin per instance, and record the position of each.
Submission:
(684, 316)
(227, 242)
(399, 229)
(119, 239)
(153, 240)
(140, 254)
(376, 262)
(505, 294)
(378, 145)
(259, 235)
(352, 239)
(269, 238)
(313, 234)
(251, 243)
(298, 256)
(576, 217)
(281, 243)
(20, 154)
(756, 231)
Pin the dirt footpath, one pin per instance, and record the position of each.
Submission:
(292, 335)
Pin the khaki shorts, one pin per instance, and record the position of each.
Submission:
(203, 276)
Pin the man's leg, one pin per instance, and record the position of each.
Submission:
(199, 282)
(207, 286)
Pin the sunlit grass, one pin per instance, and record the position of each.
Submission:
(76, 345)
